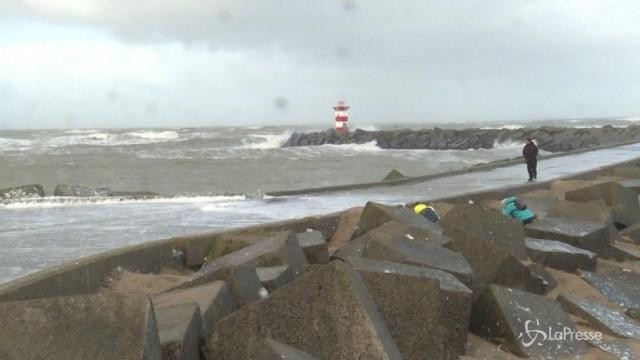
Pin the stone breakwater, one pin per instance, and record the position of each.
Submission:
(551, 139)
(378, 282)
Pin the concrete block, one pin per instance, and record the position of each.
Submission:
(243, 282)
(180, 331)
(214, 299)
(632, 232)
(595, 211)
(410, 232)
(270, 349)
(389, 242)
(560, 255)
(487, 224)
(401, 292)
(622, 251)
(627, 277)
(626, 171)
(394, 175)
(541, 281)
(602, 318)
(347, 224)
(375, 215)
(515, 274)
(624, 201)
(520, 319)
(328, 313)
(274, 251)
(590, 236)
(492, 264)
(615, 290)
(633, 184)
(314, 246)
(275, 276)
(619, 349)
(103, 326)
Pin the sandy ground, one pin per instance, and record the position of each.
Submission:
(126, 282)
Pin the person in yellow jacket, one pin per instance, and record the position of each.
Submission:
(427, 211)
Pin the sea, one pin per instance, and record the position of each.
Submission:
(211, 179)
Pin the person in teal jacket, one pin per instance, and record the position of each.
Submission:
(515, 208)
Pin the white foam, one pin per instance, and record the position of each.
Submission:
(268, 141)
(371, 146)
(367, 127)
(506, 126)
(507, 145)
(14, 144)
(52, 202)
(81, 131)
(154, 135)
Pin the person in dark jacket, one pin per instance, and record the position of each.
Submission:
(530, 153)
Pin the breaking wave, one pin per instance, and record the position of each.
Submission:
(51, 202)
(266, 141)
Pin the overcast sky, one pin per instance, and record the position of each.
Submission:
(156, 63)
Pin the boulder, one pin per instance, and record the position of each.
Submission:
(328, 313)
(104, 326)
(617, 291)
(272, 251)
(486, 224)
(400, 291)
(180, 331)
(560, 255)
(275, 276)
(522, 321)
(375, 215)
(389, 242)
(21, 192)
(578, 233)
(602, 318)
(623, 201)
(314, 246)
(270, 349)
(215, 301)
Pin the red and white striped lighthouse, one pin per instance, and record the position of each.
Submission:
(341, 116)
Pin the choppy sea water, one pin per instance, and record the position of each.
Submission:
(214, 172)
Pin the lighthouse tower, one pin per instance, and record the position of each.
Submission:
(341, 116)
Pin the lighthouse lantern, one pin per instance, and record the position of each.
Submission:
(341, 117)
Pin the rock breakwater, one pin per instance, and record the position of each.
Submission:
(551, 139)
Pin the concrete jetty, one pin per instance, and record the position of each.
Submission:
(366, 303)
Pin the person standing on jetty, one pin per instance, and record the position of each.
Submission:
(530, 153)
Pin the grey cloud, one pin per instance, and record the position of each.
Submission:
(431, 59)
